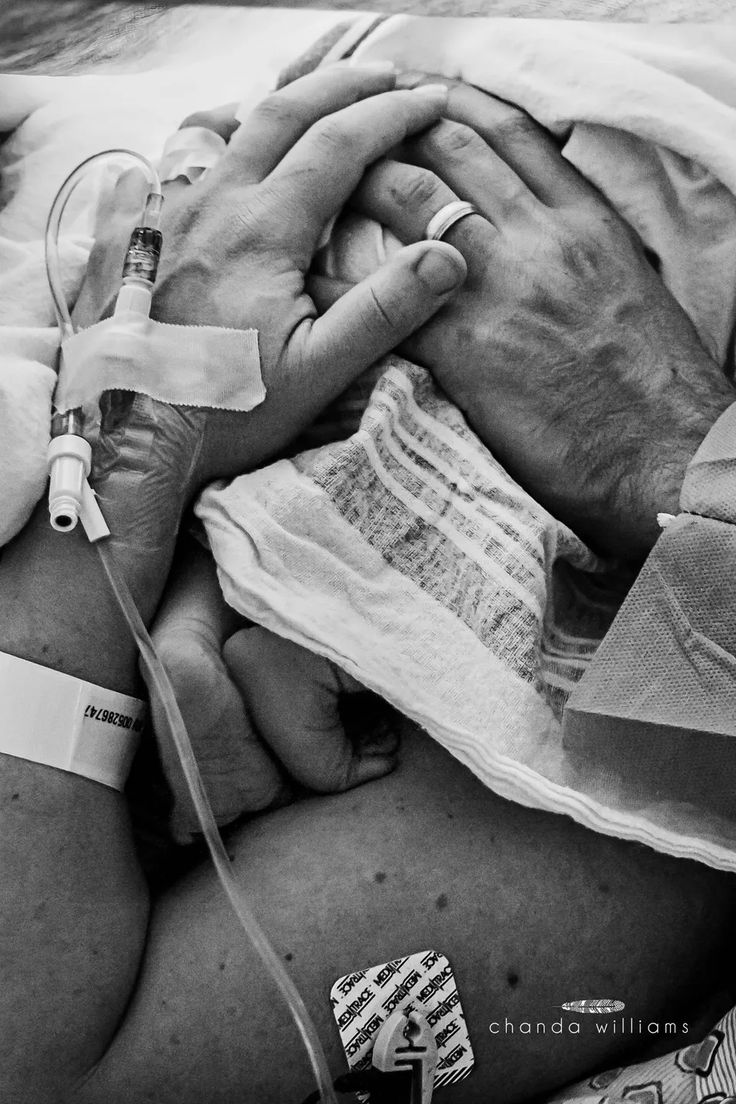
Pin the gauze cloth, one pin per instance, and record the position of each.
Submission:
(404, 552)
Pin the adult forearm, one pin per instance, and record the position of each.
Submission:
(73, 905)
(73, 914)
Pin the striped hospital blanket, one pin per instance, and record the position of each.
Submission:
(406, 554)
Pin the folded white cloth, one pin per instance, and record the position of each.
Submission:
(405, 553)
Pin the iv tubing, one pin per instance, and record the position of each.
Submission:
(160, 680)
(56, 214)
(218, 854)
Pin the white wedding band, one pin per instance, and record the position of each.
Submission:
(446, 217)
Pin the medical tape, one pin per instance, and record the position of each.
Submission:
(422, 982)
(202, 366)
(50, 717)
(189, 152)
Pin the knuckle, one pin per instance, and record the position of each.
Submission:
(583, 244)
(418, 188)
(336, 139)
(455, 138)
(516, 196)
(280, 110)
(512, 125)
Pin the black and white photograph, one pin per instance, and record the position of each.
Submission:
(368, 552)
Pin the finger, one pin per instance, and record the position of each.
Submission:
(219, 119)
(525, 146)
(294, 699)
(329, 161)
(466, 163)
(380, 312)
(118, 212)
(405, 197)
(324, 291)
(280, 120)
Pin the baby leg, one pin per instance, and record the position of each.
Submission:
(194, 621)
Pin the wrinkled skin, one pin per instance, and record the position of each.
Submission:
(568, 355)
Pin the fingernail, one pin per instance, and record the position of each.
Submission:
(438, 92)
(440, 270)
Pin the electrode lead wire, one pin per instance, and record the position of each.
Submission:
(182, 744)
(56, 213)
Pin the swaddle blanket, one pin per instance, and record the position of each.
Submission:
(405, 553)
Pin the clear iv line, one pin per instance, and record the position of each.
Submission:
(180, 739)
(177, 731)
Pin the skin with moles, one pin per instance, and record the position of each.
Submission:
(530, 909)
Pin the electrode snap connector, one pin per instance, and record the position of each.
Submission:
(406, 1042)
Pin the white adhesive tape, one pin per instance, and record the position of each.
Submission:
(52, 718)
(182, 365)
(189, 152)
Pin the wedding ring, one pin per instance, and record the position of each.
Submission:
(446, 217)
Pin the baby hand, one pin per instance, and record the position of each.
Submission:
(297, 701)
(262, 713)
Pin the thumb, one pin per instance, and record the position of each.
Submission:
(381, 311)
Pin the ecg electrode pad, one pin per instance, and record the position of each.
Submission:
(421, 982)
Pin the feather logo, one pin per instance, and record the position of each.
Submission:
(599, 1007)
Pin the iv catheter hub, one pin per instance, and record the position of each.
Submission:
(70, 461)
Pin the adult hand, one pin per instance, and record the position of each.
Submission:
(566, 352)
(239, 241)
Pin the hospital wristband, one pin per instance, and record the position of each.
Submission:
(52, 718)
